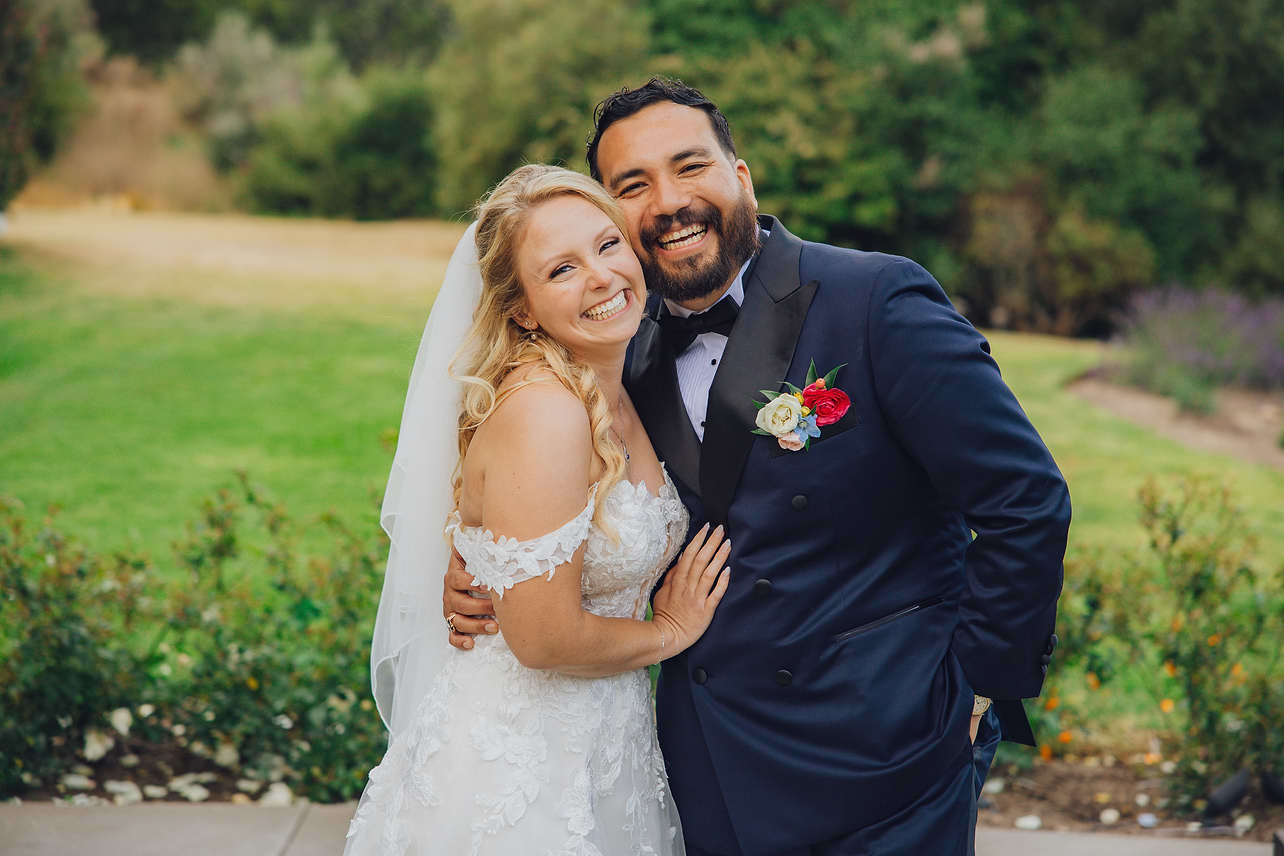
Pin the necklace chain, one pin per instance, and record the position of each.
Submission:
(620, 409)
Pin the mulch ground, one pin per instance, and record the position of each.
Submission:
(1064, 796)
(1071, 797)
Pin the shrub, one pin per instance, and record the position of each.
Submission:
(64, 618)
(233, 84)
(251, 655)
(1190, 620)
(1185, 344)
(368, 157)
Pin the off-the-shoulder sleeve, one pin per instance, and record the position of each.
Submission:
(501, 564)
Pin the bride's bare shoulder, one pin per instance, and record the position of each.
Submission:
(537, 418)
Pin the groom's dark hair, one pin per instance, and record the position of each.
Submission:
(625, 102)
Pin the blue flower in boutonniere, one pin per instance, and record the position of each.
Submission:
(795, 417)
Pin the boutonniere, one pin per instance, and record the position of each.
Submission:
(796, 416)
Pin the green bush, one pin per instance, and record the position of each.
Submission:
(368, 156)
(1191, 622)
(252, 656)
(65, 616)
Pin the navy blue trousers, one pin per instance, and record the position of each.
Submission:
(941, 821)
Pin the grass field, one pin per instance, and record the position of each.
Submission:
(144, 357)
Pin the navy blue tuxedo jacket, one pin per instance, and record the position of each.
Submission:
(835, 683)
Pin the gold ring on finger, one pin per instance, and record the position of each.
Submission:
(450, 622)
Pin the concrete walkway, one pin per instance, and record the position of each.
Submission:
(221, 829)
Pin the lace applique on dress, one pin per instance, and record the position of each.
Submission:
(501, 564)
(502, 759)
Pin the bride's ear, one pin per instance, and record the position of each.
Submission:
(526, 322)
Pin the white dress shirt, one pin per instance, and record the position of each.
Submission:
(699, 363)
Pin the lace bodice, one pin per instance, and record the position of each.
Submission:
(617, 575)
(504, 759)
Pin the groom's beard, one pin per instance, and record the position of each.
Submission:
(697, 277)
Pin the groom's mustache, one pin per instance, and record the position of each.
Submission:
(709, 215)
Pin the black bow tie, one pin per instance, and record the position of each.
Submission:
(683, 331)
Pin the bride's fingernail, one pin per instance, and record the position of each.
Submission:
(491, 628)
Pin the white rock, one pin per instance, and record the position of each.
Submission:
(227, 756)
(88, 800)
(121, 719)
(241, 799)
(82, 769)
(1148, 820)
(1110, 816)
(155, 792)
(249, 786)
(1244, 822)
(179, 782)
(1143, 800)
(1168, 768)
(1194, 826)
(124, 793)
(146, 710)
(205, 778)
(78, 782)
(130, 760)
(195, 793)
(1029, 821)
(97, 744)
(278, 794)
(994, 786)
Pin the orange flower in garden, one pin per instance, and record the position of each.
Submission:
(1177, 623)
(1094, 682)
(1238, 670)
(1170, 668)
(1045, 752)
(1214, 640)
(1051, 704)
(1167, 705)
(252, 682)
(1065, 736)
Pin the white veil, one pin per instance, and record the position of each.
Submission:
(410, 644)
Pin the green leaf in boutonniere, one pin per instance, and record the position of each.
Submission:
(811, 374)
(795, 390)
(759, 430)
(831, 377)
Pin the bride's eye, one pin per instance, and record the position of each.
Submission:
(611, 243)
(559, 271)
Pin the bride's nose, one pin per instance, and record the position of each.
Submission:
(599, 275)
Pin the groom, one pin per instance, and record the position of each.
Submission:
(827, 710)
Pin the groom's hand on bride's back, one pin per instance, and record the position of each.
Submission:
(473, 613)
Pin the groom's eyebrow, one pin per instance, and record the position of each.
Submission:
(696, 152)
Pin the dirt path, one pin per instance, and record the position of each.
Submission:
(1247, 424)
(242, 260)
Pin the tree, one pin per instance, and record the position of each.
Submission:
(42, 46)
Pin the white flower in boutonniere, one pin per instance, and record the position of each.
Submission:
(780, 416)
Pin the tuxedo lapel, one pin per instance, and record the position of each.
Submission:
(652, 380)
(758, 355)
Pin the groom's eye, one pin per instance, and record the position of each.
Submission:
(629, 189)
(692, 168)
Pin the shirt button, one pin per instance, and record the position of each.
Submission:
(800, 502)
(713, 362)
(699, 676)
(762, 586)
(784, 677)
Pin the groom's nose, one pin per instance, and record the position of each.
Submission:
(669, 198)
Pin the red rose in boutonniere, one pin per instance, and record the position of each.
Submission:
(829, 405)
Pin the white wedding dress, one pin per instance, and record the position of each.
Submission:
(501, 759)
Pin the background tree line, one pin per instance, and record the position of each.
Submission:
(1044, 158)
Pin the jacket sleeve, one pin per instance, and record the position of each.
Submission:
(946, 403)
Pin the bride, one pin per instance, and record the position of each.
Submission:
(541, 741)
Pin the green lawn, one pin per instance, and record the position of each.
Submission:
(127, 406)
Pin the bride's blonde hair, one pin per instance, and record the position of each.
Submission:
(497, 345)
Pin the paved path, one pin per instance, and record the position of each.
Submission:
(221, 829)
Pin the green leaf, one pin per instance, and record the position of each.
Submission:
(795, 390)
(811, 373)
(760, 431)
(772, 394)
(832, 377)
(761, 404)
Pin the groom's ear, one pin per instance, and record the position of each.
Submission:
(746, 180)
